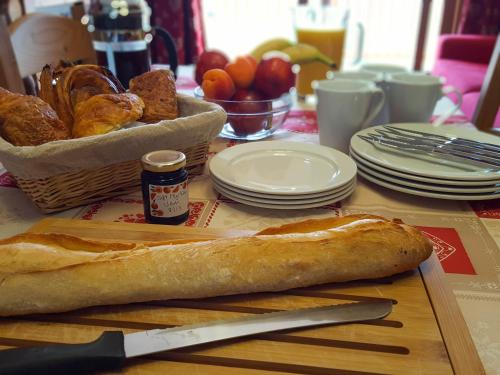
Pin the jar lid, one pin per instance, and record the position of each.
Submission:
(163, 161)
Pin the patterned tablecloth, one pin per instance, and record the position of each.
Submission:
(466, 235)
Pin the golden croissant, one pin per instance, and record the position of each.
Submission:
(26, 120)
(64, 87)
(103, 113)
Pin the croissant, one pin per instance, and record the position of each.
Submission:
(157, 90)
(103, 113)
(73, 85)
(29, 121)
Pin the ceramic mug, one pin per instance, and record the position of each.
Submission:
(384, 69)
(344, 107)
(375, 77)
(412, 97)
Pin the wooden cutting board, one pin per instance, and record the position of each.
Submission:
(425, 333)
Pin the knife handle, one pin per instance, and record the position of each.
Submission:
(105, 353)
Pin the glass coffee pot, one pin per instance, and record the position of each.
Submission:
(122, 34)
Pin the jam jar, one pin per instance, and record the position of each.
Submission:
(164, 187)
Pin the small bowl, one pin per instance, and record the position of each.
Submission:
(251, 119)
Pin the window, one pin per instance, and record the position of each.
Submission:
(391, 27)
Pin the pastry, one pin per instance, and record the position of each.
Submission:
(29, 121)
(103, 113)
(54, 273)
(64, 87)
(157, 90)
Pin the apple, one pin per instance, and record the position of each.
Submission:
(274, 77)
(248, 102)
(211, 59)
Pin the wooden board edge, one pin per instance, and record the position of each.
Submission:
(458, 341)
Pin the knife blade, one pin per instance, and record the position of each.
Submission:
(111, 349)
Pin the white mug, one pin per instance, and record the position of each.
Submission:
(344, 107)
(375, 77)
(412, 97)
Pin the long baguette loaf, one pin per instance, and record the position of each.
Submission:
(54, 273)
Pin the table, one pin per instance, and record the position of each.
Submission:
(466, 235)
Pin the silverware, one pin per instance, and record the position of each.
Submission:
(448, 140)
(435, 147)
(111, 349)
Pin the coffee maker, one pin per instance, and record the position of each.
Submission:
(122, 34)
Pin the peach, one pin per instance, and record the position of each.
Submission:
(252, 61)
(242, 71)
(217, 84)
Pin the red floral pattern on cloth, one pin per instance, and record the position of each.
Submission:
(450, 250)
(131, 218)
(487, 209)
(6, 180)
(300, 121)
(92, 210)
(183, 20)
(211, 214)
(133, 205)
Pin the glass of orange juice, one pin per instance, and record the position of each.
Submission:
(325, 27)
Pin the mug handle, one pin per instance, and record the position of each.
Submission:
(376, 105)
(361, 42)
(448, 90)
(169, 43)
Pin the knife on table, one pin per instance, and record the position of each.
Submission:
(111, 349)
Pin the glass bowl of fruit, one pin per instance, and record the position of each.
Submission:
(254, 94)
(249, 116)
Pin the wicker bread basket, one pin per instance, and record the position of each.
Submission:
(65, 174)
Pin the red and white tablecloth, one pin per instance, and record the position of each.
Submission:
(466, 235)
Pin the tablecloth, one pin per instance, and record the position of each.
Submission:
(466, 235)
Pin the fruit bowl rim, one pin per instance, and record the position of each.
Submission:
(286, 98)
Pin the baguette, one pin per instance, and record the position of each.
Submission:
(55, 273)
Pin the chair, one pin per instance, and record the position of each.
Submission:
(32, 41)
(489, 98)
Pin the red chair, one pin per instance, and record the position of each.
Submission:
(463, 61)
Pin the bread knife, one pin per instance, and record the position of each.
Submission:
(111, 349)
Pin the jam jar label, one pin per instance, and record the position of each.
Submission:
(168, 200)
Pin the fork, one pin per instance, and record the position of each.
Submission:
(392, 134)
(449, 140)
(439, 153)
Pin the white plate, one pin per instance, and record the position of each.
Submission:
(283, 168)
(413, 177)
(228, 193)
(288, 206)
(434, 188)
(423, 165)
(281, 197)
(426, 193)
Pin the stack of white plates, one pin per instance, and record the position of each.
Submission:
(424, 175)
(283, 175)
